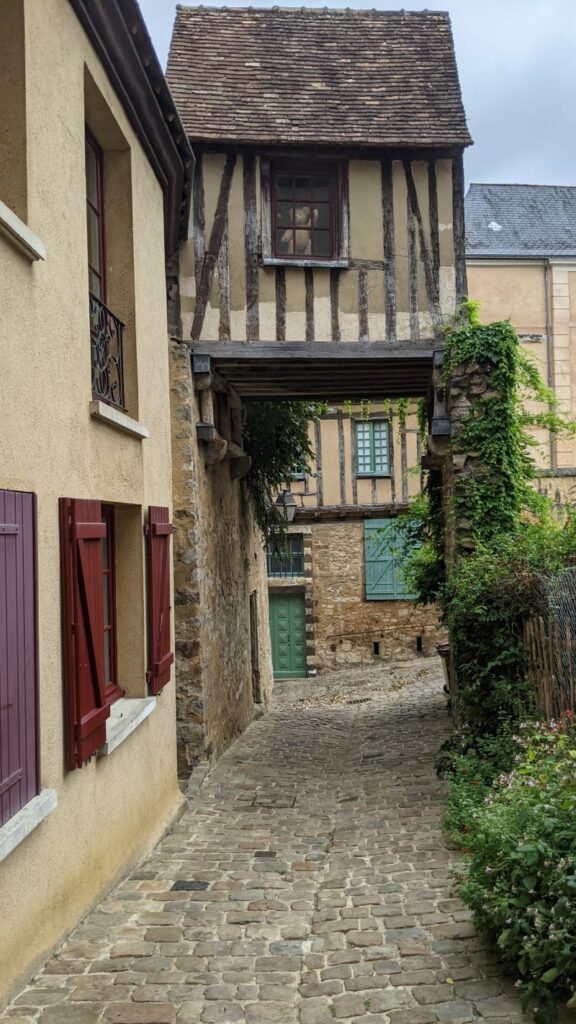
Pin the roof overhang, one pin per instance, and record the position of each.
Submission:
(119, 36)
(319, 371)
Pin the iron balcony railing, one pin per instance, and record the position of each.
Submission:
(106, 343)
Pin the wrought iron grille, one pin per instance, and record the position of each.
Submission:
(288, 559)
(106, 340)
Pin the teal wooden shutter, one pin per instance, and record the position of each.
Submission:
(383, 546)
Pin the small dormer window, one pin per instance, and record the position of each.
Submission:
(304, 212)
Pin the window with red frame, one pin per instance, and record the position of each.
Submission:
(95, 217)
(304, 213)
(112, 690)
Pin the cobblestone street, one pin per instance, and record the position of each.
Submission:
(308, 882)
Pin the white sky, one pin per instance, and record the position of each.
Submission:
(517, 64)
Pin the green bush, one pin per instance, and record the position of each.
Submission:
(471, 765)
(521, 879)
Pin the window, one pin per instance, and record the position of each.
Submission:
(101, 555)
(304, 213)
(287, 560)
(384, 547)
(13, 113)
(372, 448)
(109, 607)
(95, 218)
(106, 330)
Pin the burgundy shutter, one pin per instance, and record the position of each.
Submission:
(18, 653)
(85, 708)
(160, 656)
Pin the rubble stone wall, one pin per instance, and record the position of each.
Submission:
(346, 626)
(219, 562)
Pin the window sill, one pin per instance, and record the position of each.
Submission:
(278, 261)
(17, 232)
(119, 420)
(126, 715)
(373, 476)
(26, 820)
(299, 577)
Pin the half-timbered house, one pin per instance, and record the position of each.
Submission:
(325, 256)
(94, 174)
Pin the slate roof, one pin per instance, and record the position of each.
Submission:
(520, 221)
(316, 76)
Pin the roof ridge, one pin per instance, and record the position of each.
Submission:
(277, 9)
(515, 184)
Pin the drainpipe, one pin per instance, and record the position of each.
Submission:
(549, 354)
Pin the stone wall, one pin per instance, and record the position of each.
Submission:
(346, 625)
(219, 562)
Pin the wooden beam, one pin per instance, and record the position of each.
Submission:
(220, 219)
(318, 352)
(389, 250)
(432, 285)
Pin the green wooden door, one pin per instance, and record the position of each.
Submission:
(288, 631)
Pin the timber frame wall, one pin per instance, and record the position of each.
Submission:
(405, 268)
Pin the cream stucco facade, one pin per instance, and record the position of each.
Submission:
(55, 442)
(539, 297)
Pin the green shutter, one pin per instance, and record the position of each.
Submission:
(383, 544)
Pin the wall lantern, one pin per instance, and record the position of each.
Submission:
(286, 505)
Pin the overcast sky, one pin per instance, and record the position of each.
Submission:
(517, 62)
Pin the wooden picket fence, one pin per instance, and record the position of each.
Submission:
(550, 651)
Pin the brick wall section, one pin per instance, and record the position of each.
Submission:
(345, 624)
(219, 561)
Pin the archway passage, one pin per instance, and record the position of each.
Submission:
(219, 558)
(308, 881)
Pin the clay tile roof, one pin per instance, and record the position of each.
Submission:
(317, 76)
(520, 221)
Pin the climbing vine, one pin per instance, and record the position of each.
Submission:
(505, 532)
(276, 437)
(402, 406)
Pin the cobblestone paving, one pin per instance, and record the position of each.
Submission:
(308, 882)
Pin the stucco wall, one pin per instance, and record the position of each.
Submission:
(345, 624)
(114, 808)
(540, 299)
(219, 562)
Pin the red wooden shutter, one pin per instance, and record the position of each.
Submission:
(160, 656)
(86, 711)
(19, 781)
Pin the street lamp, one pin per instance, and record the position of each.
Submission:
(286, 505)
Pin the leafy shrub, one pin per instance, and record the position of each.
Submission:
(276, 437)
(521, 880)
(471, 765)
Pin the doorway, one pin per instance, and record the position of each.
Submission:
(288, 633)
